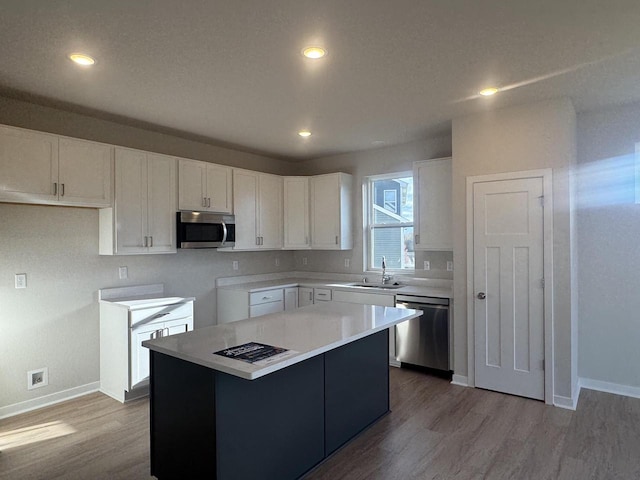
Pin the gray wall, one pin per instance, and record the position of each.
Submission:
(54, 322)
(609, 246)
(529, 137)
(380, 161)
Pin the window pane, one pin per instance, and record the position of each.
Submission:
(392, 200)
(396, 245)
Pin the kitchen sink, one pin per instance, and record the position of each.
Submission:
(377, 285)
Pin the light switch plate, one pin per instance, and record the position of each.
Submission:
(449, 266)
(21, 280)
(347, 262)
(235, 264)
(427, 265)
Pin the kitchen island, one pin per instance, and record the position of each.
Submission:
(222, 418)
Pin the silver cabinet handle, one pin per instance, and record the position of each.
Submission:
(209, 202)
(266, 298)
(62, 189)
(257, 240)
(481, 296)
(145, 242)
(151, 241)
(55, 189)
(336, 239)
(204, 201)
(159, 315)
(417, 239)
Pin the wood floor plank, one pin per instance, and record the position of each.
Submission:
(435, 431)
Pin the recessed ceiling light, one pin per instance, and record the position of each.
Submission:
(304, 133)
(314, 52)
(487, 92)
(82, 59)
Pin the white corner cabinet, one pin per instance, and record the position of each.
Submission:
(124, 362)
(55, 170)
(432, 204)
(257, 198)
(296, 213)
(330, 202)
(142, 220)
(204, 186)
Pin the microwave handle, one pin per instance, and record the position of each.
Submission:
(224, 233)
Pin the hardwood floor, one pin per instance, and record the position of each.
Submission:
(435, 431)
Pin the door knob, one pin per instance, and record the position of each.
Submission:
(482, 296)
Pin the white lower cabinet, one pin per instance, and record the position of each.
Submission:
(305, 296)
(290, 298)
(124, 362)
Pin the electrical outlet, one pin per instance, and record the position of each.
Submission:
(123, 273)
(347, 262)
(21, 280)
(235, 264)
(304, 260)
(427, 265)
(277, 262)
(449, 266)
(37, 378)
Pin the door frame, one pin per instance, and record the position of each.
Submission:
(547, 183)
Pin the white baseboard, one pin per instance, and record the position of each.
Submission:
(618, 389)
(461, 380)
(46, 400)
(565, 402)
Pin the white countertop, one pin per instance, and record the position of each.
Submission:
(309, 331)
(137, 297)
(425, 291)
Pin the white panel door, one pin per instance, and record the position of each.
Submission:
(85, 172)
(161, 190)
(296, 212)
(28, 166)
(508, 286)
(325, 212)
(131, 201)
(219, 189)
(192, 190)
(245, 200)
(270, 211)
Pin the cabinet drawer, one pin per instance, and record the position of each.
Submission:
(266, 308)
(162, 313)
(321, 295)
(266, 296)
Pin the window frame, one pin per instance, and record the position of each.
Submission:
(368, 221)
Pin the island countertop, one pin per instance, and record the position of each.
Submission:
(307, 331)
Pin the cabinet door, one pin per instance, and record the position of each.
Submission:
(161, 192)
(305, 296)
(139, 367)
(28, 166)
(291, 298)
(432, 197)
(84, 173)
(330, 203)
(270, 211)
(245, 199)
(219, 189)
(192, 177)
(296, 213)
(131, 201)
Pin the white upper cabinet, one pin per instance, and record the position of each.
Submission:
(432, 204)
(49, 169)
(84, 176)
(330, 202)
(143, 218)
(296, 213)
(204, 186)
(257, 198)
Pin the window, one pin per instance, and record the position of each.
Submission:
(388, 212)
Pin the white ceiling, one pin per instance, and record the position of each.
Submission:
(396, 70)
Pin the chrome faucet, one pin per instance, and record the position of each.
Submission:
(385, 277)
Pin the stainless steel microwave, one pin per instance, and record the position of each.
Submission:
(205, 230)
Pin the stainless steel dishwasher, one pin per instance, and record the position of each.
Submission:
(424, 341)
